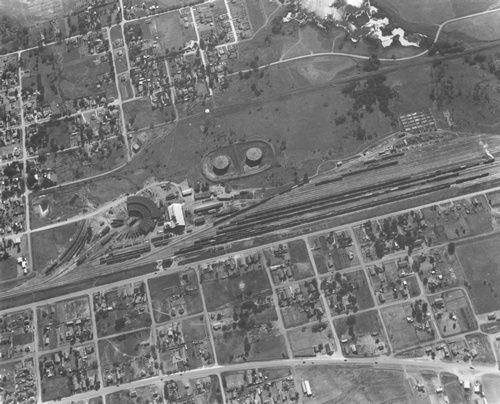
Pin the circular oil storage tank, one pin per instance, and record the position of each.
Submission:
(220, 164)
(254, 156)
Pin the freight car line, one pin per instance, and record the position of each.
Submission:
(352, 196)
(253, 230)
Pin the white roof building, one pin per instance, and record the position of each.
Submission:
(176, 214)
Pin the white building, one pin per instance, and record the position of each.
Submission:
(176, 215)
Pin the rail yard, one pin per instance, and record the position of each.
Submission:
(249, 201)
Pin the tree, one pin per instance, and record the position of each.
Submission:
(451, 248)
(120, 323)
(351, 320)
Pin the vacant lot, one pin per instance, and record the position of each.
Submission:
(480, 263)
(129, 352)
(355, 384)
(483, 27)
(47, 245)
(218, 294)
(139, 114)
(453, 389)
(422, 11)
(491, 385)
(362, 334)
(130, 310)
(310, 340)
(403, 334)
(146, 393)
(453, 313)
(301, 264)
(175, 295)
(237, 346)
(8, 269)
(171, 32)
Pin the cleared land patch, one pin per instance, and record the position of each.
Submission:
(346, 384)
(480, 263)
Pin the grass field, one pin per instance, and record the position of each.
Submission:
(163, 290)
(480, 262)
(8, 269)
(483, 27)
(116, 34)
(403, 334)
(422, 11)
(301, 264)
(230, 347)
(129, 303)
(303, 340)
(71, 165)
(368, 335)
(47, 245)
(139, 114)
(453, 388)
(129, 352)
(120, 59)
(255, 13)
(252, 284)
(491, 385)
(170, 32)
(126, 90)
(125, 397)
(355, 384)
(456, 316)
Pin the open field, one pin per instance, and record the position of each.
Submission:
(128, 357)
(49, 244)
(404, 333)
(301, 264)
(72, 165)
(311, 340)
(423, 11)
(362, 334)
(454, 389)
(219, 294)
(120, 309)
(248, 332)
(129, 396)
(483, 27)
(184, 345)
(480, 262)
(8, 269)
(355, 384)
(491, 385)
(239, 385)
(175, 295)
(140, 114)
(171, 32)
(452, 312)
